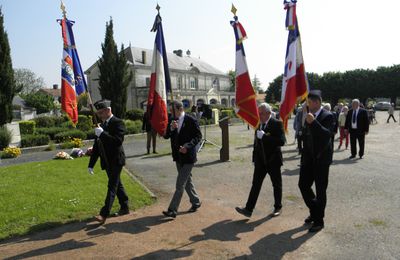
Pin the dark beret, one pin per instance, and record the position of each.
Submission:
(104, 103)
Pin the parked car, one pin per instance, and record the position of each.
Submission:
(382, 106)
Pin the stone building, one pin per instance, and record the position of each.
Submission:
(193, 81)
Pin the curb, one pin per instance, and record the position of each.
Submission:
(152, 195)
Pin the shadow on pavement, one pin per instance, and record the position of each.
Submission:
(156, 156)
(228, 230)
(275, 246)
(294, 172)
(134, 226)
(199, 165)
(52, 230)
(60, 247)
(166, 254)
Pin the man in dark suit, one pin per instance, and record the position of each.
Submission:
(151, 133)
(185, 134)
(108, 146)
(357, 124)
(267, 158)
(316, 159)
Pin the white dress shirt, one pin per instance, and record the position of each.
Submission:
(354, 125)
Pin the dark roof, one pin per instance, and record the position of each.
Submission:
(51, 92)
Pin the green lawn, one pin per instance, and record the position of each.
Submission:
(36, 196)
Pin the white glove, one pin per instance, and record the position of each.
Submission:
(90, 171)
(98, 131)
(260, 134)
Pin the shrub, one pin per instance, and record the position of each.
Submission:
(34, 140)
(133, 127)
(90, 134)
(58, 120)
(5, 137)
(68, 124)
(51, 146)
(68, 135)
(134, 114)
(45, 121)
(11, 152)
(51, 132)
(27, 127)
(227, 113)
(84, 123)
(73, 143)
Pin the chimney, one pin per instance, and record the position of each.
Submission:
(178, 52)
(55, 86)
(144, 57)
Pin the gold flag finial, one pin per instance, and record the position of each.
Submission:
(158, 8)
(233, 10)
(63, 9)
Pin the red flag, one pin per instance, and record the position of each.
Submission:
(245, 95)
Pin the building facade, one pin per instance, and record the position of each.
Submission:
(193, 81)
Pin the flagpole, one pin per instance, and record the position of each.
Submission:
(94, 117)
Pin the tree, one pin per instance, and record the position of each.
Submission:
(232, 80)
(115, 74)
(256, 84)
(28, 81)
(8, 88)
(42, 102)
(274, 90)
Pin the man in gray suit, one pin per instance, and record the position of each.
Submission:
(185, 134)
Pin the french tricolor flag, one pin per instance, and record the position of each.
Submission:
(294, 83)
(160, 82)
(245, 96)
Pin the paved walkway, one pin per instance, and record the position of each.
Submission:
(361, 217)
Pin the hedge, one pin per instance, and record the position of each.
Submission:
(27, 127)
(5, 137)
(51, 132)
(34, 140)
(84, 123)
(227, 113)
(134, 114)
(133, 127)
(65, 136)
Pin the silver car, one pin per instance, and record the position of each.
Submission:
(382, 105)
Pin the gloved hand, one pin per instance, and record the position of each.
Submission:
(260, 134)
(98, 130)
(90, 171)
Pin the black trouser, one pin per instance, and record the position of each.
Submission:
(260, 171)
(115, 187)
(299, 143)
(310, 173)
(391, 116)
(354, 136)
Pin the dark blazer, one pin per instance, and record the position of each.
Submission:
(268, 149)
(318, 139)
(112, 139)
(146, 126)
(362, 121)
(189, 136)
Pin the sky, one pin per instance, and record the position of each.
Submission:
(336, 35)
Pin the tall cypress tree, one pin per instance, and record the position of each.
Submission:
(8, 87)
(115, 75)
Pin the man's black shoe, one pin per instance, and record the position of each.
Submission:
(276, 212)
(194, 208)
(169, 213)
(245, 212)
(352, 157)
(316, 227)
(121, 212)
(361, 156)
(308, 220)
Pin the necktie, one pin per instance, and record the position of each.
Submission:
(263, 126)
(354, 116)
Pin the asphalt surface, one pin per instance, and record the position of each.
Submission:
(361, 216)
